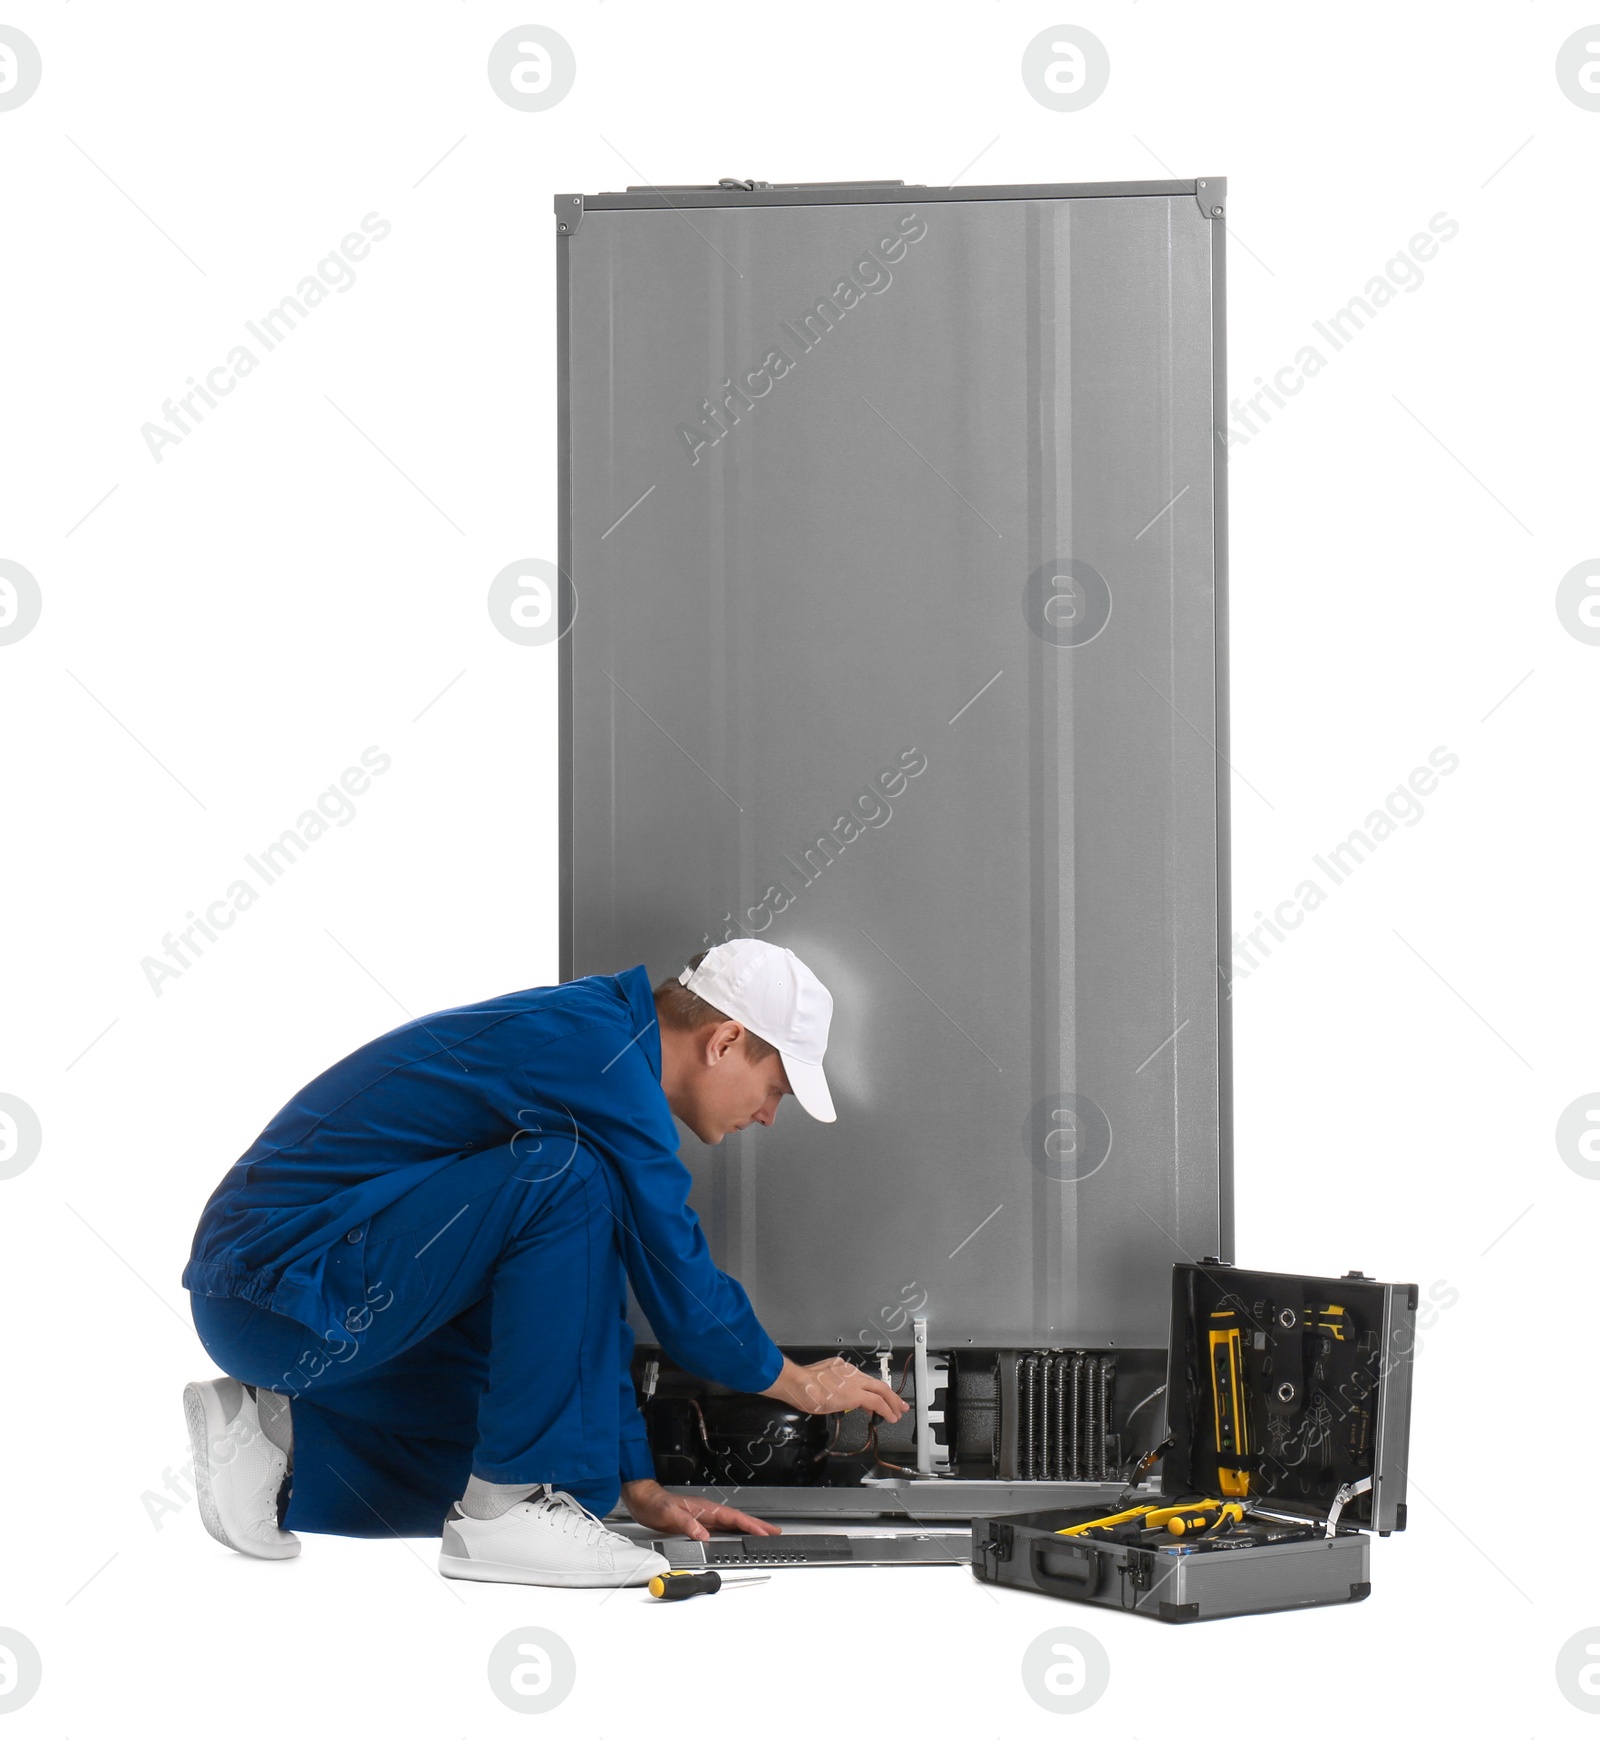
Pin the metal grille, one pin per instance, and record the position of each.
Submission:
(1066, 1416)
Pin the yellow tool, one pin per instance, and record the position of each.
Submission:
(1228, 1402)
(1156, 1519)
(1152, 1516)
(1105, 1522)
(1332, 1320)
(1205, 1521)
(680, 1585)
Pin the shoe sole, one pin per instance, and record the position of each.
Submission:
(497, 1571)
(205, 1422)
(195, 1412)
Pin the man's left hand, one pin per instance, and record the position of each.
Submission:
(671, 1513)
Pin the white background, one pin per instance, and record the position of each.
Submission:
(306, 575)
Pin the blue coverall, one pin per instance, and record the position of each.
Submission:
(425, 1250)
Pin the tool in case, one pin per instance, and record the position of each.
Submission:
(1288, 1412)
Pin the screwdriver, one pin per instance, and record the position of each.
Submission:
(1200, 1521)
(1151, 1516)
(680, 1585)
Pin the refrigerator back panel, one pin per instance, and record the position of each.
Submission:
(893, 521)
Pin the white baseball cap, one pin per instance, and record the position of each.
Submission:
(778, 997)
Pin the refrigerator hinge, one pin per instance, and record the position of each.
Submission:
(1211, 195)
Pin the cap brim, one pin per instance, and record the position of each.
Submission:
(810, 1087)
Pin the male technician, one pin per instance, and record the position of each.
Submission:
(414, 1276)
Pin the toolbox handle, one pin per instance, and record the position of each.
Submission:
(1065, 1568)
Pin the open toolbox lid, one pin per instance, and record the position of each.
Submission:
(1311, 1380)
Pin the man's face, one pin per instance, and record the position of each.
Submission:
(725, 1090)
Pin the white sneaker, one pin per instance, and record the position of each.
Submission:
(548, 1538)
(238, 1470)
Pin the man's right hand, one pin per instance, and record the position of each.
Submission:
(834, 1386)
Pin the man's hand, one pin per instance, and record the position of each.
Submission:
(834, 1386)
(670, 1513)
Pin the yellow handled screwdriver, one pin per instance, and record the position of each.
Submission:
(680, 1585)
(1152, 1515)
(1195, 1522)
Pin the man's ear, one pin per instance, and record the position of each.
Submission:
(724, 1036)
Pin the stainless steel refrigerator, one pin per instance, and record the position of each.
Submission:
(893, 630)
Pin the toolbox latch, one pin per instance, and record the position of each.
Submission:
(995, 1549)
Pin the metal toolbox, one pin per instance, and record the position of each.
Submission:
(1288, 1399)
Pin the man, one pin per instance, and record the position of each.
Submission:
(414, 1278)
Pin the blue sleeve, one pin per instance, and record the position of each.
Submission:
(635, 1461)
(701, 1316)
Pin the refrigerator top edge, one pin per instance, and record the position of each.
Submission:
(1210, 191)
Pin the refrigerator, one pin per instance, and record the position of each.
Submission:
(892, 629)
